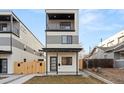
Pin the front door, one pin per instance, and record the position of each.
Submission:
(3, 65)
(53, 63)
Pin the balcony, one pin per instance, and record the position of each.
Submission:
(9, 25)
(60, 22)
(62, 26)
(6, 28)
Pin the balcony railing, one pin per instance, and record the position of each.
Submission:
(15, 31)
(59, 27)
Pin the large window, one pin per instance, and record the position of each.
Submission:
(3, 27)
(65, 25)
(66, 60)
(66, 39)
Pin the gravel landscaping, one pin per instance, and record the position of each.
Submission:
(63, 80)
(115, 75)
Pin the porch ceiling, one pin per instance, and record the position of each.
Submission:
(62, 49)
(61, 16)
(6, 18)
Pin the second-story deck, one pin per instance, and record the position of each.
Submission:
(9, 25)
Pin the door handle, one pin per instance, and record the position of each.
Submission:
(59, 64)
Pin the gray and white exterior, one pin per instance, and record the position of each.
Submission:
(62, 41)
(17, 43)
(111, 48)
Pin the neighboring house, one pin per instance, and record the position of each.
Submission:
(111, 48)
(62, 41)
(17, 43)
(101, 53)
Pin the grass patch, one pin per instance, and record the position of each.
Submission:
(63, 80)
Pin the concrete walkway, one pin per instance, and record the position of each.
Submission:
(24, 79)
(10, 78)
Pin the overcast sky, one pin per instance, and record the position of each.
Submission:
(94, 24)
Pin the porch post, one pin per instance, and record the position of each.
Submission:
(76, 63)
(57, 64)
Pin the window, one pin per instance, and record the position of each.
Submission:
(65, 25)
(120, 39)
(66, 39)
(3, 65)
(3, 27)
(66, 60)
(109, 44)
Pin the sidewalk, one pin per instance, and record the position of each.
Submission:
(24, 79)
(10, 78)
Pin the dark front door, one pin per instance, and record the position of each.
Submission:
(3, 65)
(53, 63)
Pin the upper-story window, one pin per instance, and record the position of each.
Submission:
(120, 39)
(111, 43)
(65, 25)
(67, 39)
(3, 27)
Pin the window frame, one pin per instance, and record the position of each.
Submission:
(119, 39)
(2, 25)
(63, 25)
(68, 39)
(66, 61)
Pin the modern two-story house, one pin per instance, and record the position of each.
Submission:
(17, 43)
(62, 41)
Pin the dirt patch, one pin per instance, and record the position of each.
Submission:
(115, 75)
(63, 80)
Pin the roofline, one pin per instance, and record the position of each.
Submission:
(12, 13)
(62, 49)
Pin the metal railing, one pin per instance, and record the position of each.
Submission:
(58, 27)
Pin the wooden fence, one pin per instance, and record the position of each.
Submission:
(104, 63)
(32, 67)
(90, 63)
(82, 64)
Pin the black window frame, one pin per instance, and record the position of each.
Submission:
(68, 39)
(67, 63)
(3, 25)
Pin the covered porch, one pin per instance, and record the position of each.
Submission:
(62, 60)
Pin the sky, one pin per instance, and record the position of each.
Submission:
(94, 24)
